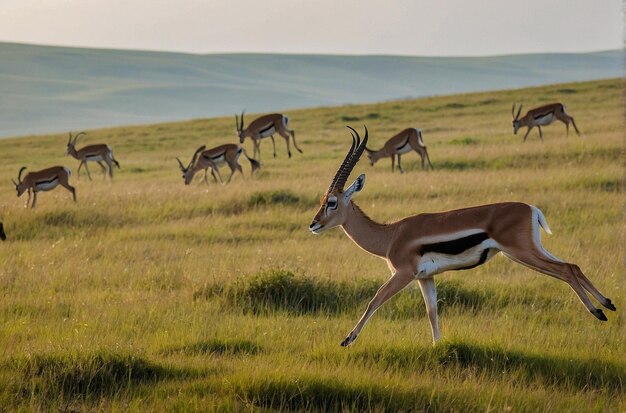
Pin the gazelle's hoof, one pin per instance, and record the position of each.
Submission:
(610, 305)
(599, 315)
(348, 340)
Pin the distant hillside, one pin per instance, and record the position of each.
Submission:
(50, 89)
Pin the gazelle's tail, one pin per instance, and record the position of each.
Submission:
(254, 164)
(542, 220)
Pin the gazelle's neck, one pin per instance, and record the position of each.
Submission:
(366, 233)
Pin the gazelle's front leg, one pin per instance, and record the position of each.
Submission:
(396, 283)
(87, 169)
(527, 132)
(429, 292)
(400, 165)
(27, 200)
(78, 171)
(273, 145)
(540, 133)
(34, 199)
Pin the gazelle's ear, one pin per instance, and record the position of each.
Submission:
(356, 186)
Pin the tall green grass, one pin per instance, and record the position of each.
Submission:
(149, 295)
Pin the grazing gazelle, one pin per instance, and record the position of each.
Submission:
(3, 235)
(44, 180)
(420, 246)
(91, 153)
(212, 158)
(263, 127)
(405, 141)
(542, 116)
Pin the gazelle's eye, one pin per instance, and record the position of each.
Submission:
(331, 204)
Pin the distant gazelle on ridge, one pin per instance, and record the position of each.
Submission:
(92, 153)
(542, 116)
(408, 140)
(421, 246)
(263, 127)
(203, 159)
(44, 180)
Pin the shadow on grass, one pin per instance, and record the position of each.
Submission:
(282, 291)
(570, 374)
(215, 347)
(53, 377)
(316, 393)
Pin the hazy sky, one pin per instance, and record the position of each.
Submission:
(409, 27)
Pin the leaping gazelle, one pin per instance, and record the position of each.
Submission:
(44, 180)
(263, 127)
(421, 246)
(408, 140)
(542, 116)
(212, 158)
(91, 153)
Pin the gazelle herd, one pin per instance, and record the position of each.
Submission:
(415, 248)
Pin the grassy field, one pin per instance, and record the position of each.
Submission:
(151, 295)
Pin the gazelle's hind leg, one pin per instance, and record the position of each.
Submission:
(293, 138)
(286, 137)
(544, 262)
(69, 187)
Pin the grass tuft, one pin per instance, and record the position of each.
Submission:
(85, 377)
(277, 197)
(281, 290)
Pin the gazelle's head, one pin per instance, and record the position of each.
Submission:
(20, 186)
(516, 122)
(373, 156)
(188, 172)
(336, 201)
(3, 236)
(239, 126)
(71, 143)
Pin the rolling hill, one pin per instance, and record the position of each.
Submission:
(53, 89)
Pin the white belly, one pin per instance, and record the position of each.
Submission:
(219, 160)
(404, 149)
(95, 158)
(46, 186)
(545, 119)
(268, 132)
(433, 263)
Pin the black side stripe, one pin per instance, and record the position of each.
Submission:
(46, 182)
(211, 158)
(404, 144)
(262, 131)
(543, 115)
(456, 246)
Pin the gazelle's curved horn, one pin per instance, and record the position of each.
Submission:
(237, 122)
(241, 124)
(519, 111)
(195, 155)
(69, 140)
(513, 110)
(182, 167)
(14, 183)
(354, 158)
(77, 135)
(343, 164)
(19, 174)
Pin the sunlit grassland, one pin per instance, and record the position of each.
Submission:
(151, 295)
